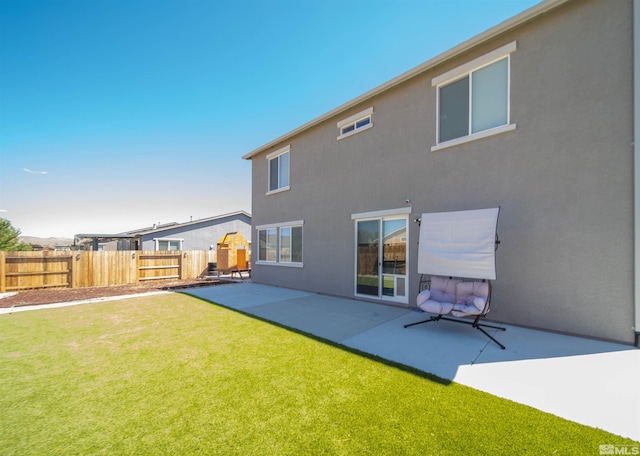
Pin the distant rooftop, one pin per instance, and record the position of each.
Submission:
(161, 227)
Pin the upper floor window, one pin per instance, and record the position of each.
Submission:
(473, 99)
(355, 123)
(279, 170)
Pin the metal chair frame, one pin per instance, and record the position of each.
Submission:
(425, 284)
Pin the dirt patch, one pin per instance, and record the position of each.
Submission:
(53, 295)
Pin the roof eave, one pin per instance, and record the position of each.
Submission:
(193, 222)
(526, 16)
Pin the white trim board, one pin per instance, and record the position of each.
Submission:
(383, 213)
(278, 225)
(475, 64)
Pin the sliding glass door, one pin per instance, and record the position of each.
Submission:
(381, 258)
(368, 264)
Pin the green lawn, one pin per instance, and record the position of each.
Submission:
(171, 374)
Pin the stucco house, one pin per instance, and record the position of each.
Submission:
(200, 234)
(535, 116)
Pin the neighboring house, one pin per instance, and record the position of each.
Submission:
(535, 115)
(201, 234)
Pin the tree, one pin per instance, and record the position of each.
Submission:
(9, 237)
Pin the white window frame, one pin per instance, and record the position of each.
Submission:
(382, 215)
(466, 70)
(278, 227)
(275, 253)
(354, 121)
(273, 156)
(158, 240)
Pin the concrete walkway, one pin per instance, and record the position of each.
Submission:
(583, 380)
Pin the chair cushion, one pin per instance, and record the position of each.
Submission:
(443, 289)
(453, 296)
(437, 307)
(463, 310)
(423, 297)
(471, 298)
(440, 296)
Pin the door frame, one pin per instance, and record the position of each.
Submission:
(390, 214)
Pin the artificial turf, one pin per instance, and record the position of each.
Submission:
(171, 374)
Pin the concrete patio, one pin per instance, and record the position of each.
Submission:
(583, 380)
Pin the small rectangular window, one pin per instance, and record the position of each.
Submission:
(363, 122)
(347, 129)
(166, 245)
(355, 123)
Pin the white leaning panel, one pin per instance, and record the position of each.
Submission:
(459, 244)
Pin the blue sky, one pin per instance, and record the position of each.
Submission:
(117, 114)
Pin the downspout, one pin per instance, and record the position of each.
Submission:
(636, 162)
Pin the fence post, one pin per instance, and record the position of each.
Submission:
(136, 264)
(3, 270)
(71, 270)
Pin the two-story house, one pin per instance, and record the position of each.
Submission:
(535, 115)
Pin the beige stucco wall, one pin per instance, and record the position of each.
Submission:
(563, 178)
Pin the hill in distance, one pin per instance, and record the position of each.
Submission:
(46, 242)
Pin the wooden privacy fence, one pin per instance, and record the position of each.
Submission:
(29, 270)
